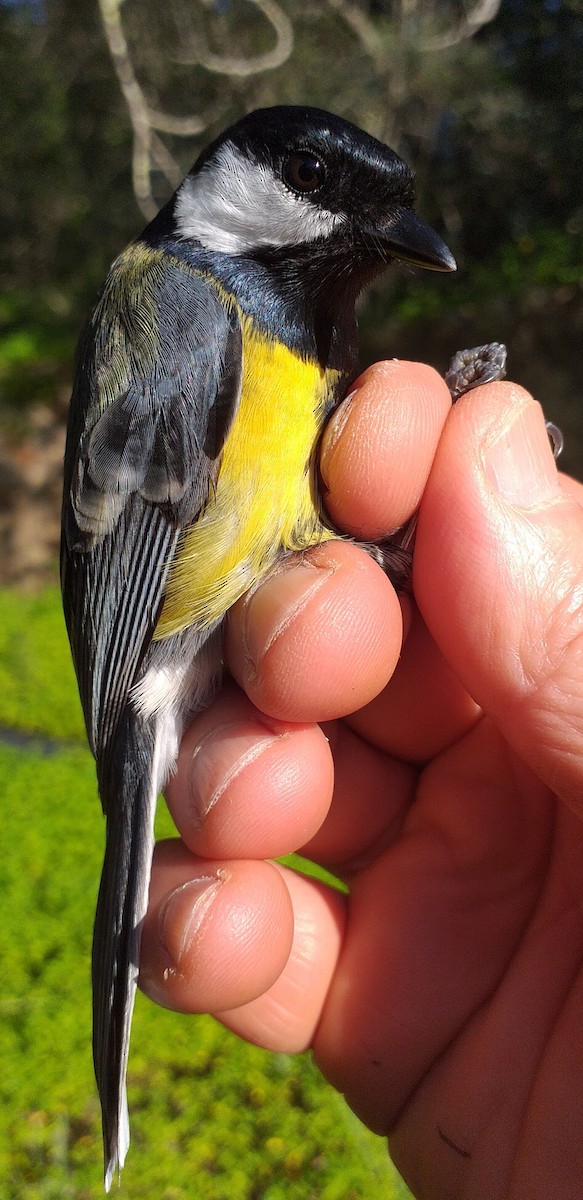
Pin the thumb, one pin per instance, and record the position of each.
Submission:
(499, 578)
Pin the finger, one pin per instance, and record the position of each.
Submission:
(258, 937)
(285, 1017)
(216, 935)
(499, 577)
(319, 637)
(423, 708)
(372, 795)
(247, 787)
(573, 486)
(378, 447)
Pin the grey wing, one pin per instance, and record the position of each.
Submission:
(137, 470)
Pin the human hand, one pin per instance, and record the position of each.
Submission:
(444, 995)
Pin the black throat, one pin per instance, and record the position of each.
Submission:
(304, 295)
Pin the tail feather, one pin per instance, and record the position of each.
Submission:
(128, 785)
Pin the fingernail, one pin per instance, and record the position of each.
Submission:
(238, 740)
(297, 582)
(520, 462)
(184, 912)
(333, 433)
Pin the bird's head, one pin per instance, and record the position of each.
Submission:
(291, 181)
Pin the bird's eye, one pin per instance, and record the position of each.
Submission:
(303, 172)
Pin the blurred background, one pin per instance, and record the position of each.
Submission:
(105, 105)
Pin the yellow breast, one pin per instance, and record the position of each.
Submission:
(264, 500)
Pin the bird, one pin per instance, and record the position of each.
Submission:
(222, 339)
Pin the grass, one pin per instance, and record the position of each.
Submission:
(212, 1118)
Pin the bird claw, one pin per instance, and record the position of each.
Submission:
(471, 368)
(468, 369)
(555, 438)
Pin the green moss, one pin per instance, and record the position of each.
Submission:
(38, 692)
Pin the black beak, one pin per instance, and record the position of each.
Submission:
(409, 239)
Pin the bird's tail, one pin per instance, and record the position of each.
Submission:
(128, 785)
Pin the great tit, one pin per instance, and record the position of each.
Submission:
(223, 337)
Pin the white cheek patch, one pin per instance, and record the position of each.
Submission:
(234, 205)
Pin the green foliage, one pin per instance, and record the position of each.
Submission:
(528, 293)
(37, 345)
(38, 693)
(211, 1117)
(545, 258)
(65, 192)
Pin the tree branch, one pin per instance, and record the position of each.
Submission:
(361, 26)
(243, 67)
(149, 152)
(482, 14)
